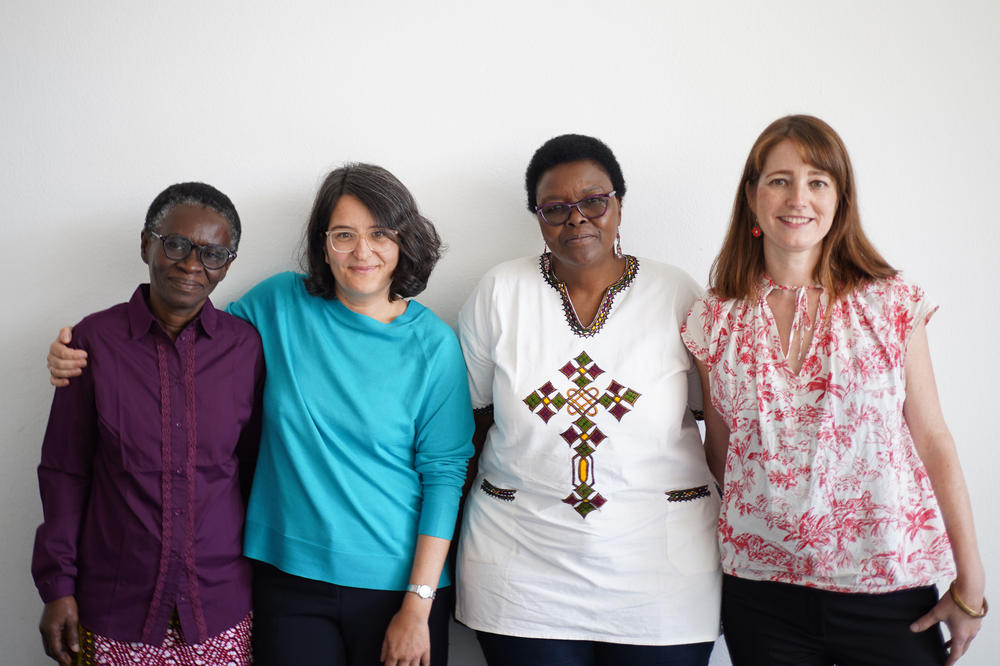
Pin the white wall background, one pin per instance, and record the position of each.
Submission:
(106, 102)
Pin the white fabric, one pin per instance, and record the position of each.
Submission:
(640, 569)
(824, 486)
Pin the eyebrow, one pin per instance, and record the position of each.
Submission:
(586, 191)
(811, 172)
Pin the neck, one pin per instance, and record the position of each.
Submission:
(791, 269)
(378, 308)
(598, 275)
(173, 321)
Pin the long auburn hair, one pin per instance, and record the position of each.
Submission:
(848, 259)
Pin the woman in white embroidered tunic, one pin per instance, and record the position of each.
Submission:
(589, 535)
(840, 474)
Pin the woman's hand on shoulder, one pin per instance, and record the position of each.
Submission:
(408, 639)
(64, 362)
(962, 626)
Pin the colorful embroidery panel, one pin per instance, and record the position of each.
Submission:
(505, 494)
(582, 435)
(631, 270)
(687, 494)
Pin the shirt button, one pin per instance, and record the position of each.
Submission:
(177, 512)
(178, 424)
(179, 471)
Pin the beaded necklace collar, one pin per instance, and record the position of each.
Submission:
(619, 285)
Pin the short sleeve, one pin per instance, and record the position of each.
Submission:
(907, 306)
(476, 332)
(696, 330)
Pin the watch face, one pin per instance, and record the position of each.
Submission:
(422, 591)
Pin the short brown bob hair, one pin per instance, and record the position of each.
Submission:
(848, 258)
(393, 207)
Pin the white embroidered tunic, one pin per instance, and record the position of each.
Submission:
(824, 486)
(593, 515)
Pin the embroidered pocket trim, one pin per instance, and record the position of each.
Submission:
(505, 494)
(688, 494)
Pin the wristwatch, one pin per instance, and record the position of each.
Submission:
(422, 591)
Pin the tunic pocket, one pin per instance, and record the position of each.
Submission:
(691, 524)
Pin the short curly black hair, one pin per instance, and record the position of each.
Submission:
(571, 148)
(393, 207)
(194, 194)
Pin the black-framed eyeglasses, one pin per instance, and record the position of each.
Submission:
(177, 248)
(558, 212)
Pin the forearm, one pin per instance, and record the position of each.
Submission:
(945, 474)
(716, 431)
(428, 561)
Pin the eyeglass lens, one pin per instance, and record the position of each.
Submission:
(590, 207)
(178, 248)
(345, 240)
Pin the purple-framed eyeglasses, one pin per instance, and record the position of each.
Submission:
(557, 213)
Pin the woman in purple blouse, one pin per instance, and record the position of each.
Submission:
(147, 459)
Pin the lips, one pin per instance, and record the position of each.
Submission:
(795, 220)
(186, 285)
(578, 238)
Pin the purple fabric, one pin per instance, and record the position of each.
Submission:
(145, 470)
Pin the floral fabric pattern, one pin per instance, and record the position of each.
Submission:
(824, 486)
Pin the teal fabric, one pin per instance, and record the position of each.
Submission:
(367, 431)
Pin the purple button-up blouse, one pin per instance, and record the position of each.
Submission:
(145, 468)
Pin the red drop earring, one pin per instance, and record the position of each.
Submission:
(756, 232)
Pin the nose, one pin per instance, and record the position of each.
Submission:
(798, 195)
(575, 216)
(362, 249)
(192, 262)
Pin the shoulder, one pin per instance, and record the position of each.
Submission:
(238, 328)
(671, 285)
(889, 291)
(265, 294)
(429, 326)
(112, 322)
(513, 271)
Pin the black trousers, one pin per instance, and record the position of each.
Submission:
(300, 621)
(501, 650)
(776, 624)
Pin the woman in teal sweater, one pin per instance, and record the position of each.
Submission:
(366, 435)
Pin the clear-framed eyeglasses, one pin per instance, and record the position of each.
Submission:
(177, 248)
(379, 239)
(557, 213)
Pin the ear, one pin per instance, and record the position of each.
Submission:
(144, 246)
(751, 194)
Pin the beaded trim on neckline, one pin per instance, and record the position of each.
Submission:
(619, 285)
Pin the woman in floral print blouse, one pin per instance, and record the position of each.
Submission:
(844, 501)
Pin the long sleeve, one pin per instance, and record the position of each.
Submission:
(64, 478)
(444, 441)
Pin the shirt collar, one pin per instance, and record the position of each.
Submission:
(141, 318)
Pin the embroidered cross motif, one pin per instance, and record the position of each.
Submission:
(582, 435)
(613, 399)
(550, 403)
(583, 401)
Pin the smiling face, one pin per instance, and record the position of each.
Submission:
(795, 204)
(580, 241)
(361, 276)
(178, 289)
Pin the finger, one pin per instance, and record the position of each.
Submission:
(73, 636)
(65, 335)
(63, 370)
(57, 382)
(52, 641)
(425, 658)
(924, 623)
